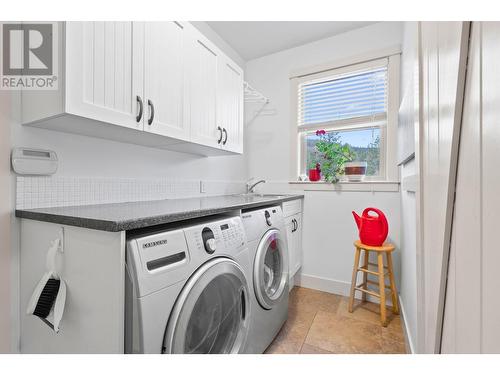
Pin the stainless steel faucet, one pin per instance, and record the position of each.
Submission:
(251, 186)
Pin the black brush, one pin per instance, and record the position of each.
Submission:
(47, 298)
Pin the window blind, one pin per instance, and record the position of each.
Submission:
(361, 94)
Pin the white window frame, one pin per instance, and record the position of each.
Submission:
(388, 131)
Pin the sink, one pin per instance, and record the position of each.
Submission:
(256, 195)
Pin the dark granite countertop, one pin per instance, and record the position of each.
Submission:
(125, 216)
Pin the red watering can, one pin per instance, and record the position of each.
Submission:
(373, 230)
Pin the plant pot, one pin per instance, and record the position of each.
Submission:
(355, 171)
(314, 175)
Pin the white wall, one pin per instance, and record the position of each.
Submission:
(87, 156)
(407, 116)
(5, 209)
(329, 228)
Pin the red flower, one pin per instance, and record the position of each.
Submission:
(320, 132)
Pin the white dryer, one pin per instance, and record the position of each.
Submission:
(187, 289)
(266, 235)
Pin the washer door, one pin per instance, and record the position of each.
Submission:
(270, 269)
(210, 314)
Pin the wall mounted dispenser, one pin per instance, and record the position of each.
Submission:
(31, 161)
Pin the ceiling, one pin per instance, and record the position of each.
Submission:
(253, 39)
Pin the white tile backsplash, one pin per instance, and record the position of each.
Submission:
(38, 192)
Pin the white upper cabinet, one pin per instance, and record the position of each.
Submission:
(202, 61)
(164, 79)
(230, 104)
(104, 71)
(158, 84)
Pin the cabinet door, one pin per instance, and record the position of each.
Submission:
(298, 244)
(104, 71)
(230, 104)
(202, 61)
(290, 237)
(164, 79)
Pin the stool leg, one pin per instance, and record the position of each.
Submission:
(365, 274)
(354, 277)
(394, 292)
(381, 286)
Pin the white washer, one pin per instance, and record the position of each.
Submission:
(266, 235)
(187, 289)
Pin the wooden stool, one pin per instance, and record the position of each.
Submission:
(386, 249)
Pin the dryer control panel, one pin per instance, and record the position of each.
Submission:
(258, 221)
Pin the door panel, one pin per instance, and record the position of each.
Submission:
(472, 308)
(443, 57)
(297, 244)
(202, 62)
(270, 269)
(230, 104)
(290, 236)
(210, 314)
(164, 78)
(465, 291)
(104, 71)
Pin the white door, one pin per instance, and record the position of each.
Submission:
(202, 58)
(270, 269)
(443, 59)
(164, 79)
(290, 237)
(294, 238)
(104, 71)
(211, 313)
(472, 304)
(297, 244)
(230, 104)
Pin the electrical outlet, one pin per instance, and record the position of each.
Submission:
(202, 187)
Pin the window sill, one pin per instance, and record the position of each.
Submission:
(371, 186)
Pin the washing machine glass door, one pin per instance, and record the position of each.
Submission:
(270, 269)
(211, 313)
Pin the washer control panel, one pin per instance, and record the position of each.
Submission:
(218, 237)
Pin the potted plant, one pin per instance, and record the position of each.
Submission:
(355, 171)
(334, 155)
(314, 170)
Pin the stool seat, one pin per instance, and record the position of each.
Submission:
(379, 272)
(386, 246)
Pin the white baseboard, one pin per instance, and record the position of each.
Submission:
(406, 331)
(331, 286)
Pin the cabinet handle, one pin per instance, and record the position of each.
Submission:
(139, 101)
(294, 225)
(151, 111)
(225, 138)
(220, 133)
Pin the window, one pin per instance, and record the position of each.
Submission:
(351, 105)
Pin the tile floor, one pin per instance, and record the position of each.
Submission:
(319, 322)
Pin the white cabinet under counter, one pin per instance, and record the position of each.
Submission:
(292, 213)
(158, 84)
